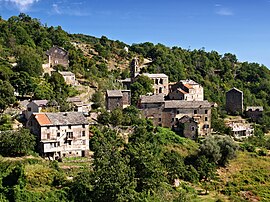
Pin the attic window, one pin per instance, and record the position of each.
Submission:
(29, 109)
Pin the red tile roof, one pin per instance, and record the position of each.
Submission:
(42, 119)
(188, 86)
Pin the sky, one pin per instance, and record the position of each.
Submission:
(240, 27)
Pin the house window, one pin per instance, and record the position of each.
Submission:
(160, 90)
(195, 111)
(172, 119)
(69, 134)
(58, 127)
(83, 133)
(177, 112)
(192, 128)
(83, 125)
(206, 111)
(83, 142)
(159, 119)
(206, 126)
(29, 109)
(58, 134)
(48, 127)
(69, 126)
(48, 135)
(156, 81)
(205, 119)
(161, 81)
(69, 142)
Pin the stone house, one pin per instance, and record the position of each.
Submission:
(254, 113)
(161, 83)
(167, 113)
(200, 111)
(35, 106)
(62, 134)
(187, 126)
(117, 99)
(69, 77)
(57, 56)
(79, 105)
(234, 101)
(187, 90)
(240, 128)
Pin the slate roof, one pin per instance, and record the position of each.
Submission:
(40, 102)
(172, 104)
(234, 89)
(186, 118)
(61, 118)
(114, 93)
(254, 108)
(188, 81)
(159, 98)
(155, 75)
(66, 73)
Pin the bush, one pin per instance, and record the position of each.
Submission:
(262, 152)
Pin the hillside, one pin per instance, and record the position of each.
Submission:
(153, 163)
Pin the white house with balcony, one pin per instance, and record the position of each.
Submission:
(62, 134)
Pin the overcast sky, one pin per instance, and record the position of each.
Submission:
(241, 27)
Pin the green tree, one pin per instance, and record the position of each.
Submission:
(5, 122)
(112, 178)
(23, 83)
(218, 149)
(98, 99)
(141, 86)
(6, 95)
(16, 143)
(29, 61)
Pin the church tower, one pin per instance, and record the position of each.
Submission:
(134, 69)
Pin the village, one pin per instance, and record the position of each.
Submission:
(179, 106)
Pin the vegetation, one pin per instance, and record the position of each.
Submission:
(133, 160)
(16, 143)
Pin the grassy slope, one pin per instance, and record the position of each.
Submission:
(247, 177)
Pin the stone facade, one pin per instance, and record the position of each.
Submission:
(168, 113)
(234, 101)
(187, 126)
(57, 56)
(254, 113)
(117, 99)
(161, 83)
(62, 134)
(187, 90)
(69, 77)
(35, 106)
(240, 128)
